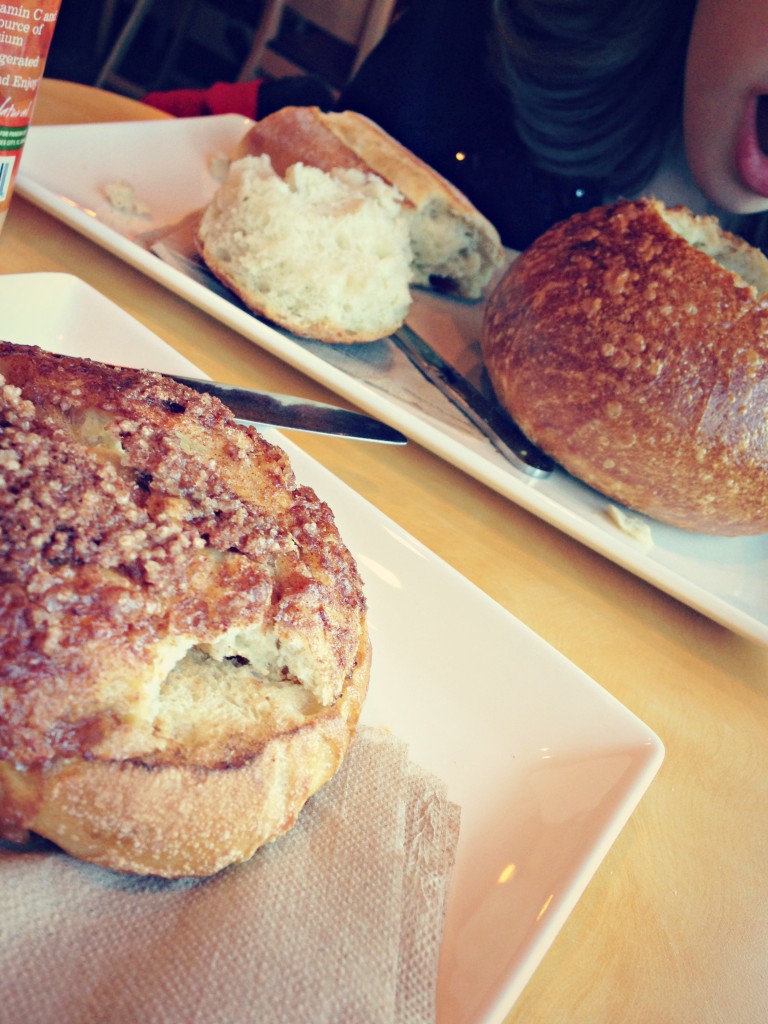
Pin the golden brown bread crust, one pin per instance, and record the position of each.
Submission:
(172, 602)
(640, 364)
(300, 135)
(346, 139)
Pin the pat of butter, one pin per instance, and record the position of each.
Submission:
(121, 196)
(633, 526)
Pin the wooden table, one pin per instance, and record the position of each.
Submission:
(674, 926)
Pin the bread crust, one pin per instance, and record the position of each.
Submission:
(349, 140)
(184, 631)
(640, 364)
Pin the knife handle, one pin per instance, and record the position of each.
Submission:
(488, 417)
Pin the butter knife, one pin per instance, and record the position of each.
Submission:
(269, 409)
(500, 429)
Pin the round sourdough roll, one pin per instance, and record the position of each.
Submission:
(631, 343)
(454, 246)
(184, 643)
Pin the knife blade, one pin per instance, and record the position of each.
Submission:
(267, 408)
(499, 428)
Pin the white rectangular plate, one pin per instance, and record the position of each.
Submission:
(546, 766)
(169, 165)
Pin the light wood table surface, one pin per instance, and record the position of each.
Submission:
(674, 925)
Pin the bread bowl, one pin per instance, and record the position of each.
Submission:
(184, 645)
(630, 342)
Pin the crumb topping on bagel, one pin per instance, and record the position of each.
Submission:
(148, 546)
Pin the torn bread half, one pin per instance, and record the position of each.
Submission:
(325, 222)
(454, 246)
(324, 255)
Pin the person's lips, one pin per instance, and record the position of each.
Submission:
(752, 145)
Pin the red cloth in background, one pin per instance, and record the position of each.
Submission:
(220, 98)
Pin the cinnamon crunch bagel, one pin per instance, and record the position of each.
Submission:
(183, 640)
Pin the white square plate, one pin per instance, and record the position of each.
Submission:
(546, 766)
(169, 164)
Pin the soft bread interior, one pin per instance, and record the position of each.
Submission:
(448, 251)
(455, 248)
(212, 710)
(749, 264)
(320, 253)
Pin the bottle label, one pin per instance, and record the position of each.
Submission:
(26, 29)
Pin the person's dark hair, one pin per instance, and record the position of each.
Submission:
(597, 85)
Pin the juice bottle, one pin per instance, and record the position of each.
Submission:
(26, 30)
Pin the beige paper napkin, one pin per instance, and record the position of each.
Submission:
(339, 920)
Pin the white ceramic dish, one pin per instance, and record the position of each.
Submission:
(169, 165)
(546, 766)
